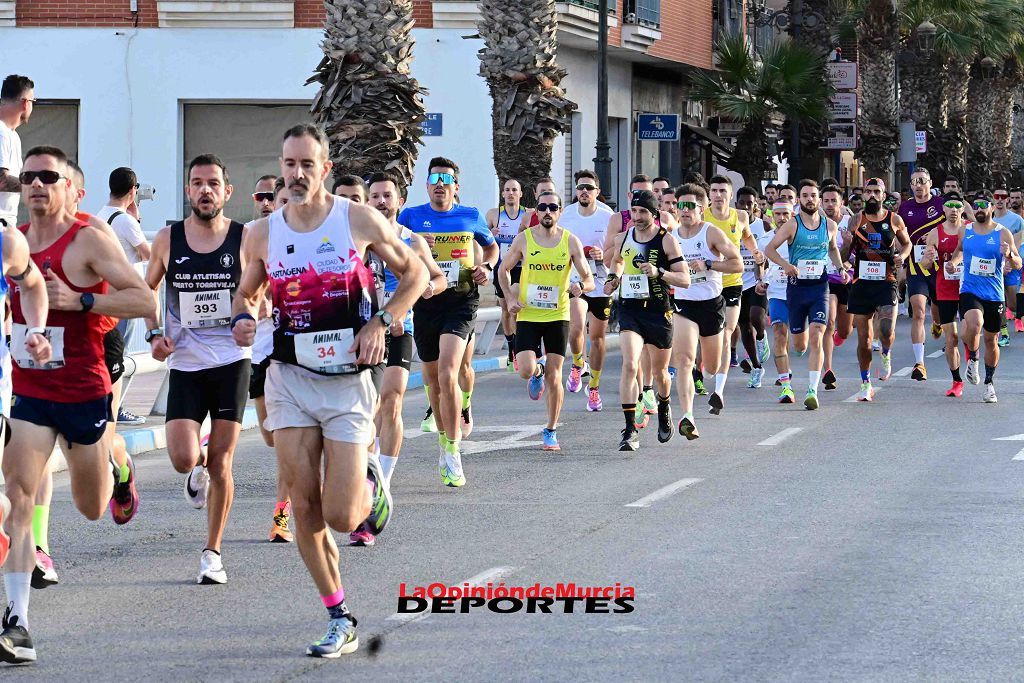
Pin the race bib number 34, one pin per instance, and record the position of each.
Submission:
(205, 309)
(326, 352)
(21, 355)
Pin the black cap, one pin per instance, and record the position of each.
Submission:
(646, 200)
(952, 197)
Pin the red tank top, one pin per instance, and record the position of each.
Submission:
(84, 375)
(110, 322)
(946, 289)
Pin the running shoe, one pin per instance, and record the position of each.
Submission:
(972, 372)
(630, 440)
(5, 540)
(811, 399)
(452, 474)
(885, 371)
(733, 362)
(279, 531)
(44, 575)
(381, 506)
(650, 404)
(866, 392)
(688, 429)
(716, 404)
(837, 341)
(429, 424)
(1004, 336)
(698, 388)
(515, 363)
(340, 639)
(535, 385)
(362, 537)
(956, 391)
(919, 373)
(575, 381)
(640, 417)
(830, 380)
(211, 569)
(1018, 325)
(197, 486)
(467, 421)
(990, 393)
(127, 417)
(763, 350)
(778, 382)
(15, 642)
(551, 440)
(664, 423)
(745, 366)
(876, 345)
(510, 364)
(755, 378)
(124, 502)
(594, 403)
(936, 331)
(787, 395)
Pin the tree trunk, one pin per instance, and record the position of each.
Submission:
(921, 102)
(878, 41)
(1002, 130)
(369, 105)
(952, 141)
(751, 157)
(982, 96)
(528, 108)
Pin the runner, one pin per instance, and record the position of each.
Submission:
(811, 240)
(443, 323)
(587, 219)
(17, 101)
(940, 245)
(920, 215)
(645, 262)
(1011, 282)
(659, 185)
(67, 393)
(351, 187)
(856, 203)
(1017, 206)
(879, 247)
(699, 307)
(388, 197)
(840, 322)
(320, 396)
(199, 262)
(505, 222)
(753, 306)
(263, 196)
(549, 253)
(987, 250)
(735, 224)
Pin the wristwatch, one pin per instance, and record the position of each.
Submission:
(707, 264)
(155, 332)
(88, 301)
(385, 317)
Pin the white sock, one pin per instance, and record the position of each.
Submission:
(387, 465)
(814, 376)
(720, 383)
(918, 353)
(18, 586)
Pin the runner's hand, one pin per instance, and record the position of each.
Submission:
(929, 254)
(429, 238)
(897, 260)
(38, 347)
(398, 327)
(481, 275)
(697, 266)
(514, 306)
(161, 346)
(761, 288)
(758, 257)
(595, 253)
(61, 297)
(791, 270)
(845, 277)
(649, 269)
(610, 285)
(575, 289)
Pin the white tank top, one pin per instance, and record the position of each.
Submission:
(704, 285)
(508, 228)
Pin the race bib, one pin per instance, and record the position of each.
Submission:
(542, 296)
(810, 269)
(985, 267)
(957, 274)
(778, 276)
(24, 359)
(919, 252)
(503, 248)
(326, 352)
(749, 264)
(871, 270)
(451, 272)
(385, 297)
(635, 287)
(205, 309)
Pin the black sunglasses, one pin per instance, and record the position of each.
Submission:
(548, 207)
(263, 196)
(587, 187)
(45, 177)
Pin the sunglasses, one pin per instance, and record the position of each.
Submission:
(548, 207)
(982, 203)
(1001, 195)
(691, 206)
(446, 178)
(586, 187)
(954, 205)
(45, 177)
(263, 196)
(920, 181)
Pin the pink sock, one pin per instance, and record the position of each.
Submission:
(334, 599)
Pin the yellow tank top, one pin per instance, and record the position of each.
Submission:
(730, 226)
(544, 283)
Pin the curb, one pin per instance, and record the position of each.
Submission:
(480, 365)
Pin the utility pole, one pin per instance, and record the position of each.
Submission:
(603, 162)
(796, 12)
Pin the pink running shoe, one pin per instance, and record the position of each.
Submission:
(124, 502)
(361, 537)
(575, 381)
(1019, 325)
(594, 401)
(836, 339)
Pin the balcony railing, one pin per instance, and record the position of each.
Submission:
(645, 12)
(594, 4)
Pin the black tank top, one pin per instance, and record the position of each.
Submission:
(634, 253)
(875, 241)
(198, 284)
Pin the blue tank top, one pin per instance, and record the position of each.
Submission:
(983, 264)
(810, 246)
(391, 281)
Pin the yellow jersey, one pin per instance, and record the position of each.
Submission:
(544, 283)
(731, 227)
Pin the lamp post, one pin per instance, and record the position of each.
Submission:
(603, 162)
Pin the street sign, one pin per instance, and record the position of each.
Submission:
(843, 75)
(661, 127)
(843, 106)
(434, 125)
(921, 141)
(842, 136)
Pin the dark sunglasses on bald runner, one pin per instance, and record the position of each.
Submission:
(45, 177)
(446, 178)
(548, 207)
(263, 196)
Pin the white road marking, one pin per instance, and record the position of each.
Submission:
(492, 574)
(781, 436)
(903, 372)
(1012, 437)
(663, 492)
(1020, 455)
(937, 354)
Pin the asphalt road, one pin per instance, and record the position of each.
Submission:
(879, 542)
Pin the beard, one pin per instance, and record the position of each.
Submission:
(809, 208)
(208, 215)
(872, 206)
(387, 212)
(584, 202)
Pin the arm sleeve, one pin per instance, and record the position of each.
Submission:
(482, 232)
(6, 151)
(130, 230)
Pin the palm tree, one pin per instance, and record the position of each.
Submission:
(528, 108)
(788, 80)
(878, 41)
(369, 104)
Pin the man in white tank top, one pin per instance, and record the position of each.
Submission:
(505, 222)
(320, 398)
(700, 308)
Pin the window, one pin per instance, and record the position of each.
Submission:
(54, 123)
(247, 138)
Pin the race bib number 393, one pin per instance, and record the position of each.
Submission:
(205, 309)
